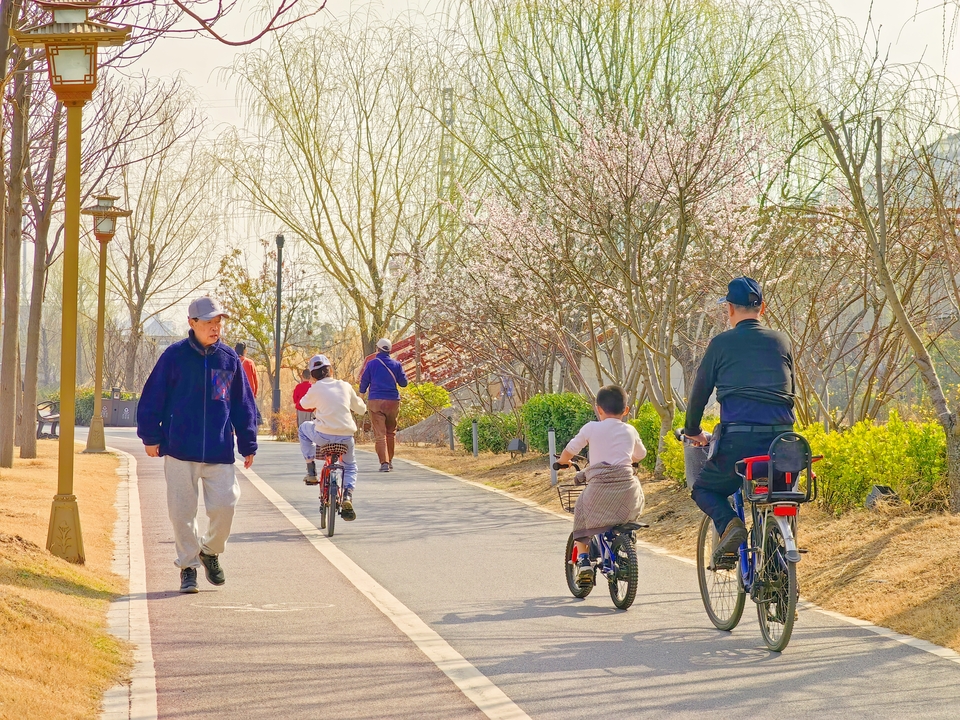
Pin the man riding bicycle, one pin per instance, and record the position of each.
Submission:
(751, 368)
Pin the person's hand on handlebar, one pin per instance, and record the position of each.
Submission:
(700, 440)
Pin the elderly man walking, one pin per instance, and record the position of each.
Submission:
(383, 376)
(196, 398)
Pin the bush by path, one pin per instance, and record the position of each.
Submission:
(494, 432)
(566, 413)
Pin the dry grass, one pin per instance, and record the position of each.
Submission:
(57, 658)
(897, 568)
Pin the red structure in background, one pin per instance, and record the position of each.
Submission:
(437, 364)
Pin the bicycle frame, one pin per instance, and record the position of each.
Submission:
(330, 462)
(601, 549)
(752, 557)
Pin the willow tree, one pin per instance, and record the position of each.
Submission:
(647, 134)
(343, 150)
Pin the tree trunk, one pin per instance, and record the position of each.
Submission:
(28, 446)
(666, 425)
(9, 389)
(133, 349)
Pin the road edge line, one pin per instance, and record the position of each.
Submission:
(926, 646)
(129, 616)
(477, 687)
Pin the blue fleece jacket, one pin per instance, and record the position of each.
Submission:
(193, 401)
(378, 378)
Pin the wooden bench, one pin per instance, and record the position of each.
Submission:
(48, 414)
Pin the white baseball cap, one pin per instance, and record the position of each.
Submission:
(319, 361)
(205, 308)
(384, 344)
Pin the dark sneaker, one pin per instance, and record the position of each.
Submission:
(211, 563)
(188, 580)
(584, 572)
(346, 507)
(311, 477)
(385, 467)
(735, 534)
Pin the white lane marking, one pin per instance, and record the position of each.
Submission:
(491, 700)
(916, 643)
(143, 679)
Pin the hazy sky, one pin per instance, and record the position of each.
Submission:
(907, 38)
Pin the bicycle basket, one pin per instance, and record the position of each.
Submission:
(568, 495)
(324, 451)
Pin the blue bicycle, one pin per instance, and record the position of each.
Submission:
(613, 554)
(775, 485)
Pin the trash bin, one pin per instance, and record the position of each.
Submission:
(123, 413)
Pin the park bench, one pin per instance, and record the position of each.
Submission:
(48, 414)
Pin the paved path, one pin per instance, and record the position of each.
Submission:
(289, 637)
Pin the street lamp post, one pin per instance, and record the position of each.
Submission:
(104, 227)
(71, 43)
(276, 337)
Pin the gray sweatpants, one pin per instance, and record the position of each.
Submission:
(221, 491)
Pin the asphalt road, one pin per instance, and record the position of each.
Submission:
(289, 637)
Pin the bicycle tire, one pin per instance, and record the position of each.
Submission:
(623, 582)
(323, 505)
(570, 569)
(332, 503)
(777, 606)
(721, 591)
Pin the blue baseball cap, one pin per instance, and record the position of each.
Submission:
(743, 291)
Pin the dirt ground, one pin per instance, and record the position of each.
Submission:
(896, 568)
(56, 658)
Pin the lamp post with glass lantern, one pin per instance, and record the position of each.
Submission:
(104, 228)
(70, 41)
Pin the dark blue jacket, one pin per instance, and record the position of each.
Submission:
(378, 379)
(193, 400)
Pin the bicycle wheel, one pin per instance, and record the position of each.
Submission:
(623, 582)
(570, 568)
(777, 595)
(721, 590)
(333, 501)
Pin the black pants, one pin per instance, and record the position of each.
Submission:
(719, 480)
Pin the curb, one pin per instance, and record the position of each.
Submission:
(128, 616)
(924, 645)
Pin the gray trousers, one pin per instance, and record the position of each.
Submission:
(221, 491)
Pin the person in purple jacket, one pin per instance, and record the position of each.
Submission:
(196, 398)
(383, 376)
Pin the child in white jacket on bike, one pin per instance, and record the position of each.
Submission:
(333, 403)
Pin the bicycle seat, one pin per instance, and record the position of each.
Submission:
(629, 527)
(330, 449)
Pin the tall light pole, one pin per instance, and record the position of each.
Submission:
(276, 336)
(71, 43)
(104, 228)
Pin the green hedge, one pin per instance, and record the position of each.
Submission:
(647, 423)
(418, 402)
(566, 413)
(910, 457)
(494, 432)
(83, 411)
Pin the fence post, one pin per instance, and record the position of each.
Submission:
(476, 440)
(450, 428)
(552, 445)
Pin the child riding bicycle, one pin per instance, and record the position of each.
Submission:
(613, 495)
(333, 402)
